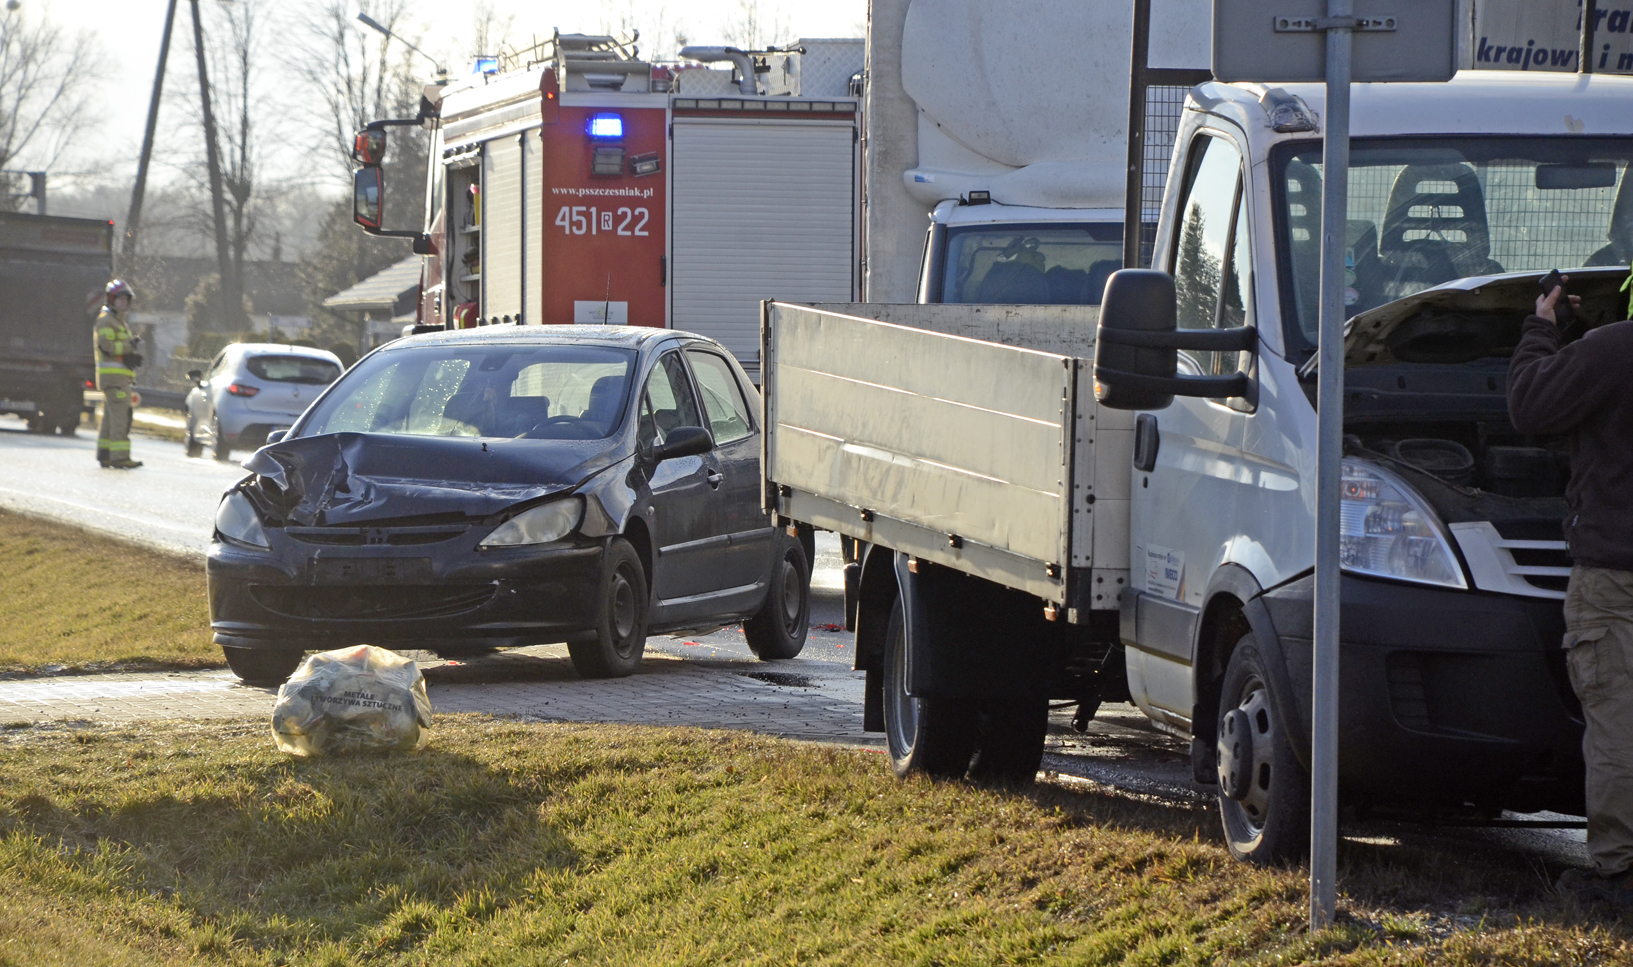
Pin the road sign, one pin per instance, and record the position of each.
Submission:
(1285, 41)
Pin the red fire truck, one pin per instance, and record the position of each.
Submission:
(582, 184)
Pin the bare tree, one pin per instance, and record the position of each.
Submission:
(47, 78)
(489, 31)
(756, 24)
(351, 70)
(660, 34)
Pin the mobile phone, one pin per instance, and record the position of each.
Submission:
(1563, 312)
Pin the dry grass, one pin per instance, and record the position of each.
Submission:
(79, 600)
(509, 843)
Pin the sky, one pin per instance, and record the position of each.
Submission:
(130, 31)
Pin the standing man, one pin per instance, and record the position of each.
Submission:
(1582, 389)
(116, 362)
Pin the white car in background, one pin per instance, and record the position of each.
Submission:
(252, 389)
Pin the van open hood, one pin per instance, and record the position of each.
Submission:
(354, 478)
(1466, 319)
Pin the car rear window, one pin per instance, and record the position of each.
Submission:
(293, 369)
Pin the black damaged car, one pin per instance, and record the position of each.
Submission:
(505, 486)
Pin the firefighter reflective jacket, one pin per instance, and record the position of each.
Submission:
(113, 341)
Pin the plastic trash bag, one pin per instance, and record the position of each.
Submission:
(362, 699)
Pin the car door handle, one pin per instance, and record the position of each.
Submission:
(714, 477)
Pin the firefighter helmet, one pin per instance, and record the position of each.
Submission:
(120, 287)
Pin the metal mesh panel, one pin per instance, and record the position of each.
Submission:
(1163, 106)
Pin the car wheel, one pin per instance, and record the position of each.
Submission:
(194, 448)
(929, 734)
(620, 624)
(778, 630)
(1264, 792)
(263, 666)
(223, 449)
(1009, 741)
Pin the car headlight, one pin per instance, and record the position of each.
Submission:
(237, 523)
(539, 525)
(1386, 529)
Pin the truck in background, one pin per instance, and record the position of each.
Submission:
(1002, 130)
(1087, 504)
(583, 184)
(52, 274)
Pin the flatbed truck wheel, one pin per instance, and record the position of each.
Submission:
(1264, 792)
(933, 735)
(1009, 740)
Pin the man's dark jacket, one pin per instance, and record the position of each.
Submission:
(1585, 390)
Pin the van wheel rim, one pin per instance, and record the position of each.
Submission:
(1254, 807)
(901, 709)
(790, 597)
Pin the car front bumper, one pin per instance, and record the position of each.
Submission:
(1448, 699)
(418, 595)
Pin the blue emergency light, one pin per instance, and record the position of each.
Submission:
(607, 126)
(485, 65)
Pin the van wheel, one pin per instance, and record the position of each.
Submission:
(263, 666)
(778, 630)
(1264, 792)
(1009, 741)
(620, 624)
(931, 734)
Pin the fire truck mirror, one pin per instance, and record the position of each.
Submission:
(368, 198)
(369, 147)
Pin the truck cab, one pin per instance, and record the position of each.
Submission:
(980, 252)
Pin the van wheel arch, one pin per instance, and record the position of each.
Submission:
(876, 595)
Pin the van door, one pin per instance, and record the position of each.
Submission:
(1184, 514)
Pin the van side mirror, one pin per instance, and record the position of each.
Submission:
(683, 441)
(368, 197)
(1136, 352)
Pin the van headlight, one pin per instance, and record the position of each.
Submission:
(538, 525)
(237, 523)
(1386, 529)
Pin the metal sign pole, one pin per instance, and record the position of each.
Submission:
(1329, 456)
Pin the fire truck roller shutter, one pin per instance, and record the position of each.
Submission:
(762, 209)
(533, 274)
(501, 228)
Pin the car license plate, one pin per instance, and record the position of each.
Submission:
(371, 570)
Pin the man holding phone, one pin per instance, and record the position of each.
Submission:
(1584, 389)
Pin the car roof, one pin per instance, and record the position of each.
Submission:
(623, 337)
(279, 349)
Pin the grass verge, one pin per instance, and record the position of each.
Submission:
(76, 600)
(508, 843)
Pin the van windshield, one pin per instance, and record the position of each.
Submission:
(1422, 212)
(1044, 264)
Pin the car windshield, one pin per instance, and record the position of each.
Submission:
(293, 369)
(510, 392)
(1425, 212)
(1043, 264)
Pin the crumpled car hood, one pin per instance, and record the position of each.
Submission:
(1463, 306)
(356, 478)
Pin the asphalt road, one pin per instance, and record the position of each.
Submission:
(170, 503)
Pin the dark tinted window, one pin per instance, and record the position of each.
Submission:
(293, 369)
(1047, 264)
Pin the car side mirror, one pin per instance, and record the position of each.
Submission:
(1136, 351)
(195, 375)
(276, 436)
(683, 441)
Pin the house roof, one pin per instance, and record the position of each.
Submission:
(381, 291)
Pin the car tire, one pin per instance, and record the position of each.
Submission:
(1264, 791)
(620, 621)
(1009, 741)
(263, 666)
(194, 448)
(222, 449)
(928, 734)
(778, 630)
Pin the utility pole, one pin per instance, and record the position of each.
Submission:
(229, 286)
(133, 221)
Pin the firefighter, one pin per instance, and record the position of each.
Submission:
(116, 362)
